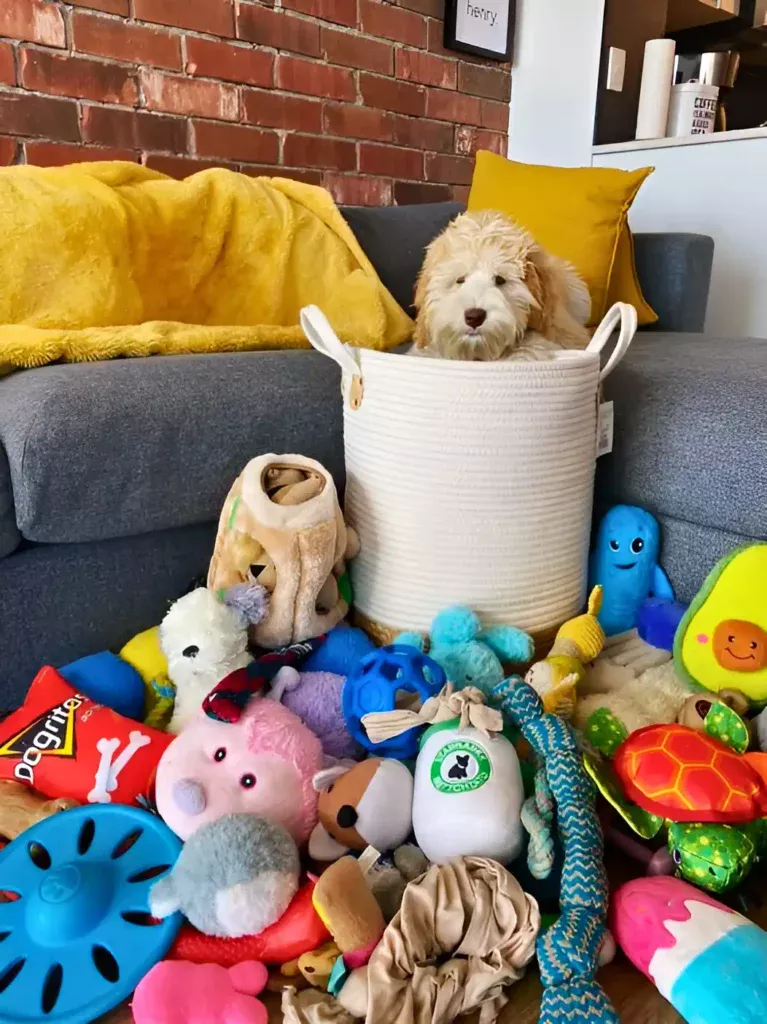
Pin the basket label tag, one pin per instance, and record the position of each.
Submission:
(605, 427)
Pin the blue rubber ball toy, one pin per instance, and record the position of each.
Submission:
(110, 680)
(374, 685)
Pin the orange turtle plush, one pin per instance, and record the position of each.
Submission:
(365, 804)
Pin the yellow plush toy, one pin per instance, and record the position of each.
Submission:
(578, 643)
(144, 653)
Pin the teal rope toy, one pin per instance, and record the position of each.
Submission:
(568, 951)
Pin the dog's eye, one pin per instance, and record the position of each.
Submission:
(499, 281)
(460, 280)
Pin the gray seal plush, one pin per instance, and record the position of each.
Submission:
(235, 876)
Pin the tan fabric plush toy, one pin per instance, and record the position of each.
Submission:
(282, 527)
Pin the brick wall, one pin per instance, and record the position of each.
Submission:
(357, 95)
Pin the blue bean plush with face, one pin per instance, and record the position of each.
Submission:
(625, 564)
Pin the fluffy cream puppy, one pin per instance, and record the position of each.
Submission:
(488, 291)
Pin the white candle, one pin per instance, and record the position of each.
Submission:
(657, 78)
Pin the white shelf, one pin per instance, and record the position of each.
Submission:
(685, 140)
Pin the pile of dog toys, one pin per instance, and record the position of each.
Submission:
(253, 793)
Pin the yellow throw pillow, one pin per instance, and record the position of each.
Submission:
(578, 213)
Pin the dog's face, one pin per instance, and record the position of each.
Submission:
(474, 296)
(484, 284)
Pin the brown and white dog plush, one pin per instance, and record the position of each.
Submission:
(361, 805)
(488, 291)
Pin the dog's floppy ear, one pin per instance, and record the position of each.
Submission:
(543, 284)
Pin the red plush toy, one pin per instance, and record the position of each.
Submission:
(65, 745)
(298, 931)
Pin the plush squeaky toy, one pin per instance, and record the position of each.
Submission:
(177, 992)
(367, 804)
(624, 563)
(205, 639)
(235, 876)
(470, 654)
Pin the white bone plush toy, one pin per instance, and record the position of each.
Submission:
(204, 639)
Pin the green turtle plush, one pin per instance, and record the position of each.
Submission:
(721, 642)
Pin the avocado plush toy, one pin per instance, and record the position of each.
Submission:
(721, 643)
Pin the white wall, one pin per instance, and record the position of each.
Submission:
(554, 81)
(717, 189)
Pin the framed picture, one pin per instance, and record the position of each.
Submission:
(482, 27)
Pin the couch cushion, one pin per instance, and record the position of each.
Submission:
(112, 449)
(9, 533)
(691, 430)
(394, 239)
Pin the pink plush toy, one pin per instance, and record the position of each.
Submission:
(177, 992)
(263, 764)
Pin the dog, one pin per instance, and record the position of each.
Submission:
(488, 291)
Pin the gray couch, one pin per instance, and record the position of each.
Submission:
(112, 474)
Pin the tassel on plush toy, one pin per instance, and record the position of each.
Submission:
(578, 642)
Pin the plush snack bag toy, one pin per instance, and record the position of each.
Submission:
(64, 744)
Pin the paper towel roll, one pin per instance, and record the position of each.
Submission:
(657, 78)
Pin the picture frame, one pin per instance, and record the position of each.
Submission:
(477, 27)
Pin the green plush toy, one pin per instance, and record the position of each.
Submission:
(721, 642)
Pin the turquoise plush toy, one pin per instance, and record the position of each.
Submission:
(469, 654)
(625, 564)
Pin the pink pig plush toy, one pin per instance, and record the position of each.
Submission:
(262, 764)
(178, 992)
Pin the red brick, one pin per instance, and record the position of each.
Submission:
(385, 22)
(21, 114)
(110, 6)
(133, 129)
(62, 75)
(469, 140)
(54, 154)
(213, 59)
(176, 95)
(266, 171)
(388, 94)
(273, 110)
(357, 122)
(135, 44)
(278, 29)
(351, 190)
(434, 8)
(344, 12)
(420, 134)
(8, 149)
(297, 75)
(495, 116)
(453, 107)
(354, 51)
(213, 16)
(309, 151)
(33, 21)
(7, 65)
(409, 193)
(236, 142)
(426, 69)
(390, 162)
(461, 194)
(181, 166)
(455, 170)
(493, 83)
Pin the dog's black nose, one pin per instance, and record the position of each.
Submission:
(475, 317)
(347, 816)
(191, 652)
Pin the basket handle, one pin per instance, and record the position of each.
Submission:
(324, 339)
(621, 313)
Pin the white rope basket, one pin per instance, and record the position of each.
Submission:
(470, 482)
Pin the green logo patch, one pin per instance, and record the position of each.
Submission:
(460, 766)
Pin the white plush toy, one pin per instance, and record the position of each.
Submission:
(204, 639)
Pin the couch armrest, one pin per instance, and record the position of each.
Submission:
(675, 273)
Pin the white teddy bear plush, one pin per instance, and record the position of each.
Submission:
(204, 639)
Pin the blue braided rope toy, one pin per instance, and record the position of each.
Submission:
(568, 951)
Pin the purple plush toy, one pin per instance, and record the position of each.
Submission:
(315, 697)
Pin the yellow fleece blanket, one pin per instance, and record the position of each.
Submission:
(111, 259)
